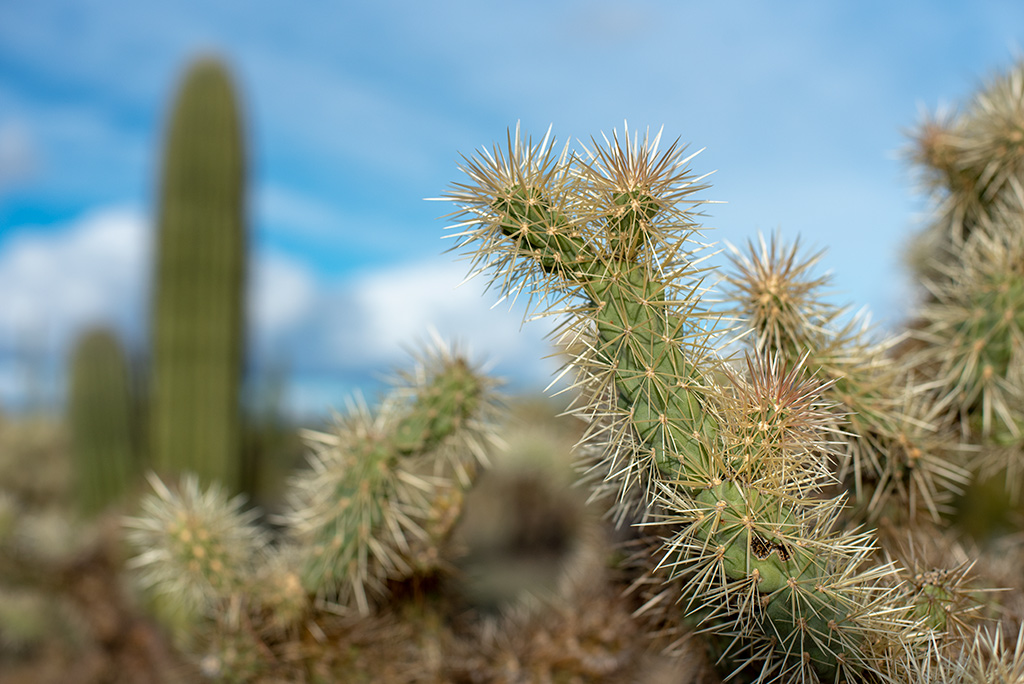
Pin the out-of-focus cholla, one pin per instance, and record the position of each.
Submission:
(380, 567)
(357, 523)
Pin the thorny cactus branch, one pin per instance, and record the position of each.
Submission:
(893, 436)
(378, 487)
(606, 235)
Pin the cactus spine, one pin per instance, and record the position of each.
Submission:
(198, 330)
(100, 417)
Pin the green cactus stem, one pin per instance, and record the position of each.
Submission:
(100, 417)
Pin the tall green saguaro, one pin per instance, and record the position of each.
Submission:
(198, 327)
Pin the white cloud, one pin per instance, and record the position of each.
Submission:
(400, 304)
(96, 271)
(54, 284)
(360, 329)
(92, 272)
(282, 294)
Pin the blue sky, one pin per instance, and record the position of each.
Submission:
(357, 111)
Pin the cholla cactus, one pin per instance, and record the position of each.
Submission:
(972, 160)
(892, 440)
(969, 338)
(385, 487)
(734, 463)
(736, 466)
(382, 492)
(197, 545)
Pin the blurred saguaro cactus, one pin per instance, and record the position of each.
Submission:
(198, 327)
(100, 415)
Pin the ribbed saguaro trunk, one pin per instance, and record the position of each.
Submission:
(200, 277)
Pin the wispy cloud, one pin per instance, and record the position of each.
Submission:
(90, 273)
(56, 284)
(361, 328)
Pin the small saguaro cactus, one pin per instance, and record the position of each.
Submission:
(100, 417)
(198, 331)
(733, 460)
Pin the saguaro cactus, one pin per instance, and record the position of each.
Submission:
(200, 278)
(99, 413)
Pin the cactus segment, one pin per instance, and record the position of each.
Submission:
(892, 450)
(197, 545)
(972, 159)
(974, 330)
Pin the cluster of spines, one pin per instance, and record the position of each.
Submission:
(372, 504)
(892, 452)
(196, 543)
